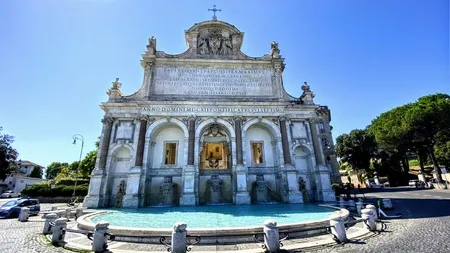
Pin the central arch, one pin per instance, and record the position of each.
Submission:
(215, 160)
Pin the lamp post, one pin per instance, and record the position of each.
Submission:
(77, 137)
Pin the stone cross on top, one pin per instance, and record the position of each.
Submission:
(214, 9)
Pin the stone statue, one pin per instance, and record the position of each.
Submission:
(308, 96)
(227, 47)
(215, 189)
(166, 190)
(203, 46)
(262, 190)
(116, 84)
(302, 188)
(120, 194)
(214, 44)
(274, 50)
(151, 47)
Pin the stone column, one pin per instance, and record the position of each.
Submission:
(284, 140)
(242, 194)
(188, 195)
(294, 195)
(141, 144)
(191, 141)
(95, 197)
(315, 141)
(104, 144)
(322, 173)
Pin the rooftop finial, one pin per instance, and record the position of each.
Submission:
(214, 9)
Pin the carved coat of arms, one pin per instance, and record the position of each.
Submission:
(214, 44)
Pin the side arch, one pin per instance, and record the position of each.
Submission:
(155, 126)
(269, 125)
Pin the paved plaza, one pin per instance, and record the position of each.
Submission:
(425, 227)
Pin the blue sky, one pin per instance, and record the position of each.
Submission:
(360, 58)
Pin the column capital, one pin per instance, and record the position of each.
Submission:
(108, 119)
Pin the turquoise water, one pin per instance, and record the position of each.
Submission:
(214, 216)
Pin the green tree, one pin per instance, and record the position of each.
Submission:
(8, 155)
(426, 120)
(54, 169)
(357, 149)
(36, 172)
(88, 163)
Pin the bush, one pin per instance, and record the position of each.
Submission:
(44, 190)
(71, 181)
(413, 162)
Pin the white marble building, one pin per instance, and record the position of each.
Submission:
(206, 124)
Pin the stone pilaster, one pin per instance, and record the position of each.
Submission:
(188, 195)
(131, 198)
(285, 143)
(315, 140)
(191, 141)
(104, 144)
(140, 144)
(96, 193)
(293, 193)
(242, 195)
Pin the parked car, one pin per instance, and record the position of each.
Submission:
(413, 183)
(11, 209)
(10, 194)
(374, 185)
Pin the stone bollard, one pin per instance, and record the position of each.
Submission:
(67, 213)
(374, 211)
(271, 236)
(24, 214)
(99, 243)
(54, 208)
(387, 204)
(338, 227)
(370, 223)
(58, 232)
(78, 212)
(359, 207)
(351, 205)
(51, 217)
(179, 243)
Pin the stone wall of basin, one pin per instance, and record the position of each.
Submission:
(221, 235)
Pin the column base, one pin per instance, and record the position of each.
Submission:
(327, 196)
(243, 198)
(187, 199)
(93, 201)
(130, 201)
(295, 197)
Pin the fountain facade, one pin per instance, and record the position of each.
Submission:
(233, 119)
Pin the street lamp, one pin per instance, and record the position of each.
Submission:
(77, 137)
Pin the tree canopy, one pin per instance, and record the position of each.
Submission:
(8, 155)
(356, 148)
(36, 172)
(421, 128)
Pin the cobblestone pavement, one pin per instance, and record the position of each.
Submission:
(424, 227)
(25, 237)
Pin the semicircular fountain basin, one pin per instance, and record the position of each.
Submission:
(211, 220)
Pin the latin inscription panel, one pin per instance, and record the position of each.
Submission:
(177, 80)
